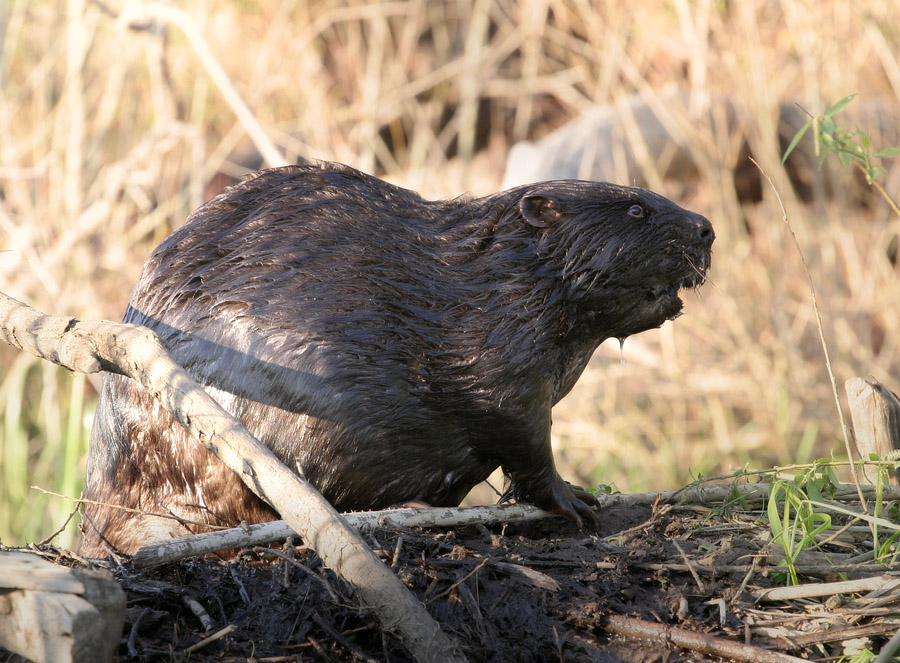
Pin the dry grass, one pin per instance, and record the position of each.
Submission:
(108, 135)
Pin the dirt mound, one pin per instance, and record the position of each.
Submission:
(532, 591)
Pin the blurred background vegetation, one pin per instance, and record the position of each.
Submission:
(116, 122)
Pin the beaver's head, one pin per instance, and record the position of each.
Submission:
(622, 254)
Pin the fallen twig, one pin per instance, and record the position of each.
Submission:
(199, 612)
(700, 642)
(338, 637)
(690, 566)
(177, 548)
(887, 652)
(839, 634)
(132, 636)
(820, 570)
(827, 589)
(174, 549)
(218, 635)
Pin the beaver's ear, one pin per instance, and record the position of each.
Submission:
(540, 211)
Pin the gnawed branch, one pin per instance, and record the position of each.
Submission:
(171, 550)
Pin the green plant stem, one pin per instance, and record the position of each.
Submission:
(881, 190)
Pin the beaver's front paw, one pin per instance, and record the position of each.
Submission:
(557, 496)
(574, 502)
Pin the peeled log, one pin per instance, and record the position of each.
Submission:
(875, 411)
(56, 615)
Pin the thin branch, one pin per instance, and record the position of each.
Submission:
(884, 194)
(812, 290)
(170, 550)
(704, 643)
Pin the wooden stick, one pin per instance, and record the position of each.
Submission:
(875, 412)
(887, 652)
(49, 613)
(218, 635)
(826, 589)
(138, 353)
(164, 552)
(838, 634)
(701, 642)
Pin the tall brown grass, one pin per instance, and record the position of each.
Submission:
(112, 123)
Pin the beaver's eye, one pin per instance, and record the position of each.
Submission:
(636, 211)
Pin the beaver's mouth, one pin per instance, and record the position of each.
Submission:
(646, 300)
(666, 295)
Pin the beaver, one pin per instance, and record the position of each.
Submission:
(388, 347)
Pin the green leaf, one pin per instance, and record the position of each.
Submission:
(795, 140)
(880, 522)
(774, 513)
(811, 530)
(833, 481)
(888, 153)
(884, 550)
(873, 173)
(839, 105)
(814, 491)
(828, 146)
(847, 152)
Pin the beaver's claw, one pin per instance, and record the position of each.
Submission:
(575, 503)
(561, 497)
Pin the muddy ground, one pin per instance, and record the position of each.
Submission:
(534, 591)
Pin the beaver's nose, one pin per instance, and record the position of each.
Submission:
(701, 229)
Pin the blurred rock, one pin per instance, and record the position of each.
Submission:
(607, 143)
